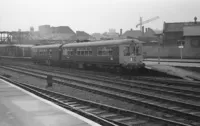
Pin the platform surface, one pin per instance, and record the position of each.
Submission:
(21, 108)
(185, 74)
(184, 64)
(174, 60)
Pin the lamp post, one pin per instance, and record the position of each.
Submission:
(160, 37)
(181, 47)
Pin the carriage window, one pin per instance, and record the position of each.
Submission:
(68, 51)
(110, 51)
(104, 51)
(90, 52)
(126, 51)
(84, 52)
(138, 50)
(50, 51)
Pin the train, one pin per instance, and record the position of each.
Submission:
(15, 50)
(111, 54)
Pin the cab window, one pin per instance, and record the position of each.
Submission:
(126, 51)
(138, 50)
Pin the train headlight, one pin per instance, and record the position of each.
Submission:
(111, 58)
(131, 59)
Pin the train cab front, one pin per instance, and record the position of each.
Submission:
(131, 56)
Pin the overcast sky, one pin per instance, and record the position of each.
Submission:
(94, 15)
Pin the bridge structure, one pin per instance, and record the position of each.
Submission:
(14, 37)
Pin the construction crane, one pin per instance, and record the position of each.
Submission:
(144, 22)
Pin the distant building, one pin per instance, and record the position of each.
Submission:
(45, 29)
(62, 29)
(132, 34)
(82, 36)
(60, 33)
(174, 31)
(97, 36)
(192, 36)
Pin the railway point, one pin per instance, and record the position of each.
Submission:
(21, 108)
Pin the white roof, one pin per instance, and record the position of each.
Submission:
(102, 43)
(47, 46)
(15, 45)
(18, 45)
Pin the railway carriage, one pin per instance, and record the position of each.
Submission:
(49, 54)
(7, 50)
(126, 53)
(112, 54)
(15, 50)
(23, 50)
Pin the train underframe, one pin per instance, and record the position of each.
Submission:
(119, 68)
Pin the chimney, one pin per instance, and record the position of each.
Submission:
(120, 32)
(195, 20)
(142, 30)
(146, 29)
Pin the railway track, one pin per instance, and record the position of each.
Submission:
(107, 76)
(171, 108)
(103, 114)
(177, 88)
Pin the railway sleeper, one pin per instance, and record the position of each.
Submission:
(82, 107)
(107, 115)
(121, 118)
(97, 112)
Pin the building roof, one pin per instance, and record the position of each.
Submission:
(132, 33)
(149, 33)
(191, 31)
(81, 35)
(177, 26)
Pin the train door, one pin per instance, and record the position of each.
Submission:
(137, 53)
(130, 53)
(124, 54)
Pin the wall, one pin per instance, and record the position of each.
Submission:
(172, 51)
(171, 38)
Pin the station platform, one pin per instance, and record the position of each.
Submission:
(183, 64)
(174, 60)
(171, 70)
(21, 108)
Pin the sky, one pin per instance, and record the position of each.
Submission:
(94, 16)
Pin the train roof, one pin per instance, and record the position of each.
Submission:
(15, 45)
(103, 43)
(47, 46)
(4, 45)
(19, 45)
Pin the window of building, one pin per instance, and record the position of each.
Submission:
(195, 43)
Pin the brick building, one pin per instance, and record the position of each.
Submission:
(174, 31)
